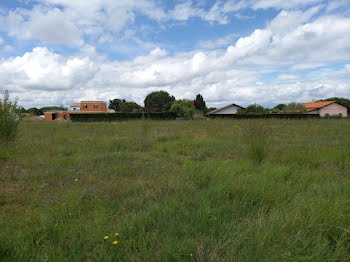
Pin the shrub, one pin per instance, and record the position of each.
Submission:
(257, 137)
(253, 109)
(9, 118)
(183, 108)
(295, 108)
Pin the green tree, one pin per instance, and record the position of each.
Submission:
(295, 108)
(116, 104)
(280, 107)
(129, 107)
(183, 108)
(254, 109)
(9, 118)
(341, 100)
(35, 111)
(158, 101)
(51, 108)
(199, 103)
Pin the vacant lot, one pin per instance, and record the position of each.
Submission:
(177, 191)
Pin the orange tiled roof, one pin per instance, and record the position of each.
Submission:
(311, 106)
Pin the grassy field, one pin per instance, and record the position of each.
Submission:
(217, 190)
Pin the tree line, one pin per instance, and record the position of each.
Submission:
(162, 101)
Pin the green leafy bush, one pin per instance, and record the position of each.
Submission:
(183, 108)
(254, 109)
(9, 118)
(295, 108)
(128, 107)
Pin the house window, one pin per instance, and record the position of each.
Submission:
(84, 106)
(95, 106)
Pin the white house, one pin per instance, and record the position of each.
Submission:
(75, 107)
(324, 108)
(227, 110)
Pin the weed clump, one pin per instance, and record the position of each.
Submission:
(257, 137)
(9, 118)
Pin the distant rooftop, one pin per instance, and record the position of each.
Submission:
(93, 102)
(311, 106)
(55, 111)
(75, 104)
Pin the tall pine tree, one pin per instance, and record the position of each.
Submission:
(199, 103)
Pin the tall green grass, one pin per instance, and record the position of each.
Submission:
(176, 191)
(257, 136)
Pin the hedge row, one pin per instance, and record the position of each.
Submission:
(95, 117)
(253, 116)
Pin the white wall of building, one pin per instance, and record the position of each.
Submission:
(227, 111)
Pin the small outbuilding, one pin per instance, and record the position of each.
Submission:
(231, 109)
(53, 115)
(324, 108)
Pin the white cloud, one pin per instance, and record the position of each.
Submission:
(283, 4)
(288, 77)
(41, 26)
(245, 46)
(217, 43)
(335, 4)
(7, 49)
(303, 66)
(287, 21)
(49, 26)
(65, 22)
(237, 5)
(347, 69)
(186, 10)
(1, 41)
(44, 70)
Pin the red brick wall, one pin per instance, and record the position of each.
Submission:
(101, 107)
(49, 116)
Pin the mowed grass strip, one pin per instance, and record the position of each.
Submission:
(177, 191)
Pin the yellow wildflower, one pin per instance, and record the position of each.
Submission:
(76, 179)
(106, 237)
(116, 234)
(115, 242)
(191, 254)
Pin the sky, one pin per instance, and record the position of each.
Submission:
(56, 52)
